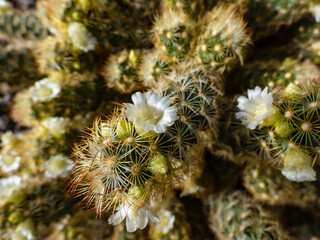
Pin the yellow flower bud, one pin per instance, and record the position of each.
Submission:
(291, 91)
(158, 164)
(282, 129)
(298, 165)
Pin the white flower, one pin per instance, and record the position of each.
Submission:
(9, 161)
(58, 166)
(315, 9)
(298, 166)
(22, 232)
(135, 218)
(81, 37)
(4, 3)
(151, 112)
(44, 90)
(56, 125)
(255, 108)
(166, 221)
(299, 175)
(9, 140)
(9, 186)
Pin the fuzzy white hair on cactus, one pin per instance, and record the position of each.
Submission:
(298, 166)
(136, 218)
(256, 108)
(151, 112)
(44, 90)
(81, 37)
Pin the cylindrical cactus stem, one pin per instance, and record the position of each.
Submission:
(223, 39)
(266, 17)
(22, 25)
(172, 34)
(237, 216)
(152, 68)
(265, 184)
(18, 69)
(121, 71)
(192, 8)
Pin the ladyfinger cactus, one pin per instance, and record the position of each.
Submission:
(140, 151)
(223, 40)
(284, 127)
(121, 71)
(266, 185)
(172, 34)
(22, 25)
(236, 216)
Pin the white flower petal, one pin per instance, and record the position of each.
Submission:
(116, 218)
(44, 90)
(138, 98)
(131, 225)
(305, 174)
(151, 111)
(135, 218)
(81, 37)
(256, 108)
(142, 219)
(153, 217)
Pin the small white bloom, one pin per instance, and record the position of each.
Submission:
(298, 166)
(151, 112)
(22, 232)
(8, 186)
(4, 3)
(315, 10)
(58, 166)
(56, 125)
(166, 221)
(255, 108)
(9, 140)
(135, 218)
(9, 161)
(299, 174)
(44, 90)
(81, 37)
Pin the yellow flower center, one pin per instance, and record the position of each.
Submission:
(8, 160)
(151, 115)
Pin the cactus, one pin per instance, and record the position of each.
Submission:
(223, 40)
(18, 68)
(129, 158)
(172, 34)
(120, 71)
(268, 186)
(152, 67)
(267, 16)
(236, 216)
(289, 126)
(22, 25)
(192, 8)
(43, 205)
(160, 163)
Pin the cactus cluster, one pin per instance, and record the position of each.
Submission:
(160, 119)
